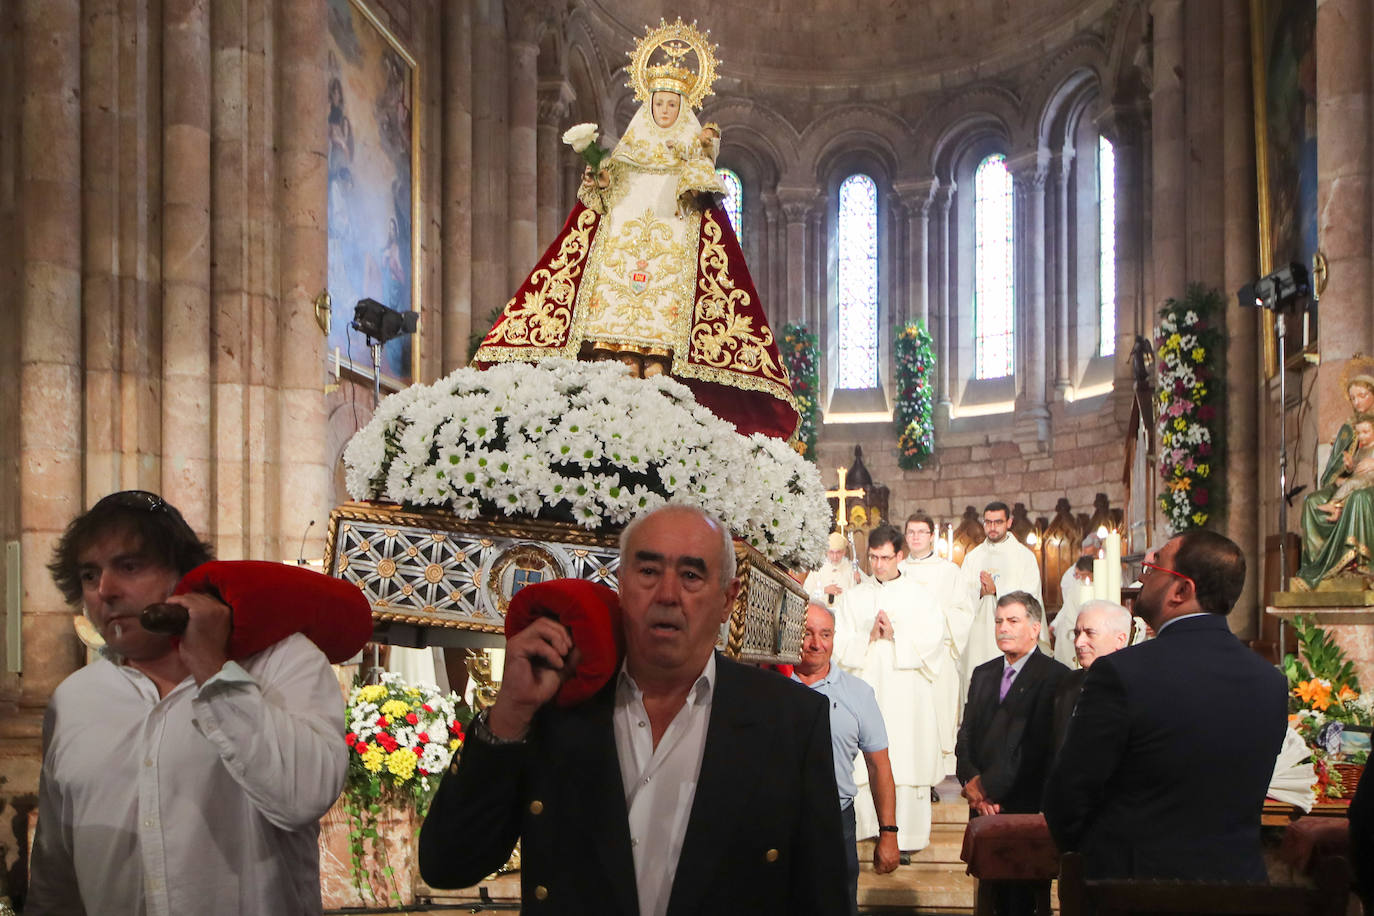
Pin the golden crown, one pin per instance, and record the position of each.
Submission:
(675, 42)
(1359, 369)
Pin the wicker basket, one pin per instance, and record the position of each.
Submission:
(1350, 777)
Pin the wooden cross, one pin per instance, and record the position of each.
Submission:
(840, 494)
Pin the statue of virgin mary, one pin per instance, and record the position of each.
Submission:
(647, 268)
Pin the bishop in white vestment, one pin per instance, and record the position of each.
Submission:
(941, 578)
(894, 639)
(1010, 566)
(831, 580)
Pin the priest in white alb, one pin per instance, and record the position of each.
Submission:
(894, 639)
(999, 565)
(941, 577)
(830, 581)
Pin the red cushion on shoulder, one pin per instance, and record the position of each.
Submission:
(270, 601)
(591, 612)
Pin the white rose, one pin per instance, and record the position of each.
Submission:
(581, 136)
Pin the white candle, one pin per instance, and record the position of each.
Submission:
(1114, 567)
(1085, 593)
(1099, 578)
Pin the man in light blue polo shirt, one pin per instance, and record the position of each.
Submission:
(855, 725)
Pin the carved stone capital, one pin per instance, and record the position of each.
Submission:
(1122, 125)
(918, 196)
(527, 20)
(1030, 171)
(555, 96)
(797, 203)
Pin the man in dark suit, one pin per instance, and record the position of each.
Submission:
(1168, 757)
(689, 784)
(1006, 739)
(1101, 628)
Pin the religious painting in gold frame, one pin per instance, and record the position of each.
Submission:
(373, 84)
(1283, 64)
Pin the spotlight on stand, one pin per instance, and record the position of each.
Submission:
(380, 324)
(1285, 291)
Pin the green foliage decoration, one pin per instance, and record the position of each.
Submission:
(801, 351)
(915, 358)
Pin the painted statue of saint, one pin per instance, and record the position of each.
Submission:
(1338, 517)
(647, 268)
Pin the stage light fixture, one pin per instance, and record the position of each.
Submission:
(381, 324)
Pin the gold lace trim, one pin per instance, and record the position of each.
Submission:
(539, 324)
(725, 345)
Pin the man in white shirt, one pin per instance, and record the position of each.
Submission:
(895, 641)
(998, 566)
(856, 727)
(831, 580)
(941, 577)
(174, 780)
(688, 782)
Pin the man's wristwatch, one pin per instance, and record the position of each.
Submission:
(890, 828)
(482, 732)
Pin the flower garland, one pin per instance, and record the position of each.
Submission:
(801, 350)
(915, 358)
(1190, 351)
(400, 739)
(585, 442)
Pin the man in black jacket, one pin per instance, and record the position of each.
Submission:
(689, 784)
(1168, 757)
(1006, 740)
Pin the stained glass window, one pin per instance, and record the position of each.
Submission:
(994, 284)
(1106, 266)
(858, 282)
(734, 199)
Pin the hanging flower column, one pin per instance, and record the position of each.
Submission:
(1189, 347)
(915, 358)
(801, 351)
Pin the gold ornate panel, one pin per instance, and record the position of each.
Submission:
(433, 569)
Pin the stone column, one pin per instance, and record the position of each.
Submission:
(490, 199)
(1028, 175)
(304, 479)
(1343, 197)
(1061, 261)
(944, 259)
(554, 99)
(796, 204)
(768, 273)
(816, 300)
(523, 56)
(186, 442)
(457, 182)
(1169, 211)
(917, 198)
(48, 188)
(1134, 315)
(1245, 519)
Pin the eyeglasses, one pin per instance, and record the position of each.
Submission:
(1172, 572)
(881, 558)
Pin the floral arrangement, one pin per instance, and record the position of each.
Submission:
(1190, 350)
(582, 138)
(400, 739)
(1324, 701)
(915, 358)
(801, 350)
(588, 443)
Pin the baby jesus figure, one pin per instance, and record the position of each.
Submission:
(1359, 465)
